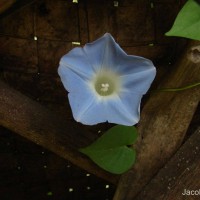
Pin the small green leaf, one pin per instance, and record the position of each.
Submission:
(187, 23)
(111, 152)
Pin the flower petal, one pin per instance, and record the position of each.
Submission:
(104, 52)
(71, 80)
(86, 109)
(77, 62)
(134, 64)
(125, 109)
(138, 82)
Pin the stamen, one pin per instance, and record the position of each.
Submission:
(104, 87)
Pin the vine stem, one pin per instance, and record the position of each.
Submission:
(177, 89)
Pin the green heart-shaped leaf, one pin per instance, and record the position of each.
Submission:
(111, 152)
(187, 23)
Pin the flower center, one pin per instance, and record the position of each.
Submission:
(104, 86)
(106, 83)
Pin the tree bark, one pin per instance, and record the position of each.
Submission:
(180, 175)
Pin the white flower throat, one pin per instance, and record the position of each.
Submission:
(106, 83)
(104, 86)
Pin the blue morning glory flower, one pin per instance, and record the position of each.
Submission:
(104, 83)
